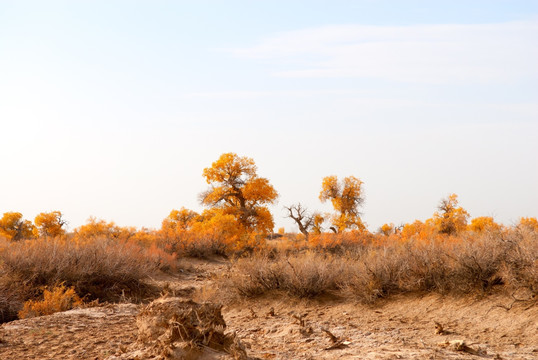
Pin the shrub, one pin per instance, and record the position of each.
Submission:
(376, 273)
(520, 269)
(340, 243)
(11, 300)
(381, 267)
(59, 298)
(303, 275)
(98, 268)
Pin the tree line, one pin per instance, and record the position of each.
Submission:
(236, 206)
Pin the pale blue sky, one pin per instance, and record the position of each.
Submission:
(113, 108)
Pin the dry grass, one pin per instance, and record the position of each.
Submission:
(307, 275)
(520, 269)
(101, 269)
(200, 246)
(368, 272)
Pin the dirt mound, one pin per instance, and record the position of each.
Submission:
(175, 328)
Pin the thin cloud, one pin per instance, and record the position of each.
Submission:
(488, 53)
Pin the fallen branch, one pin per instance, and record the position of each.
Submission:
(333, 337)
(337, 342)
(460, 345)
(299, 317)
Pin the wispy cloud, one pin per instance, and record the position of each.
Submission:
(484, 53)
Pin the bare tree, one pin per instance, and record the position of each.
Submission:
(302, 217)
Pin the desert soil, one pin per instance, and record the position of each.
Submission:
(276, 327)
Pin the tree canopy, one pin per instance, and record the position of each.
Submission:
(346, 198)
(236, 189)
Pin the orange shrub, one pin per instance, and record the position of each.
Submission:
(340, 242)
(418, 230)
(387, 229)
(214, 232)
(58, 299)
(101, 229)
(483, 223)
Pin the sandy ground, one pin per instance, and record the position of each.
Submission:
(404, 328)
(277, 327)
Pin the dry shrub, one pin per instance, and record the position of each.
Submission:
(99, 268)
(12, 295)
(165, 261)
(475, 264)
(376, 273)
(312, 274)
(182, 329)
(204, 241)
(191, 244)
(340, 243)
(520, 269)
(428, 266)
(469, 263)
(11, 300)
(59, 298)
(303, 275)
(455, 266)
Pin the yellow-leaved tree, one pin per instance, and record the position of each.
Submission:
(346, 198)
(451, 218)
(13, 227)
(237, 190)
(49, 224)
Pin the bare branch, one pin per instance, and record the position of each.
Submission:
(300, 215)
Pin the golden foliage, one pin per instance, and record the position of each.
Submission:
(178, 221)
(237, 190)
(339, 242)
(13, 227)
(49, 224)
(483, 223)
(450, 219)
(317, 228)
(387, 229)
(346, 198)
(418, 230)
(529, 223)
(217, 224)
(99, 228)
(58, 299)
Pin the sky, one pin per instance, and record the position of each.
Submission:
(113, 108)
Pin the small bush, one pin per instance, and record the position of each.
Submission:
(59, 298)
(376, 273)
(305, 275)
(520, 269)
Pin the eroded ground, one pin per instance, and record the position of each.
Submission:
(496, 327)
